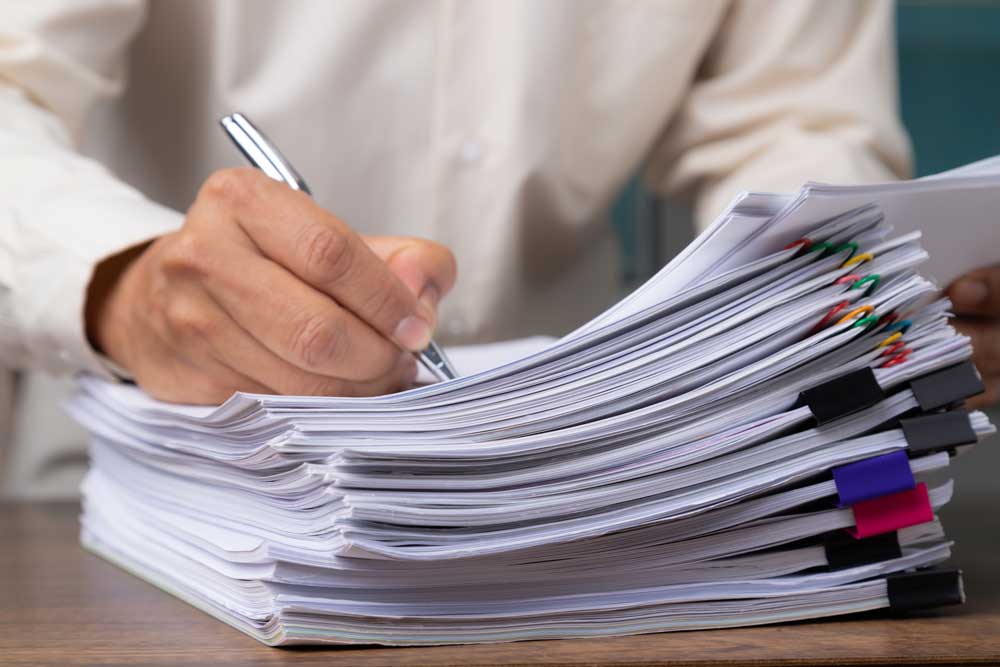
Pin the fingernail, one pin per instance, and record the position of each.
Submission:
(969, 292)
(413, 333)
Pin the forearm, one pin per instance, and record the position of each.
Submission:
(62, 214)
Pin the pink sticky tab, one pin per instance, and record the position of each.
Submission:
(892, 512)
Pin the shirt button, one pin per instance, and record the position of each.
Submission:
(65, 356)
(471, 151)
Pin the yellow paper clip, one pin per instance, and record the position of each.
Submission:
(857, 311)
(857, 259)
(891, 339)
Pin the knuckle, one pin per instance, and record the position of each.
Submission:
(327, 252)
(187, 254)
(318, 341)
(229, 185)
(187, 321)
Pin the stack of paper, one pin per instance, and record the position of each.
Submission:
(760, 433)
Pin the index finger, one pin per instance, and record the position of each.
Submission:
(320, 249)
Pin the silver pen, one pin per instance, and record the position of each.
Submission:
(265, 156)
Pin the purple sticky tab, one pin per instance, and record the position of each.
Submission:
(874, 477)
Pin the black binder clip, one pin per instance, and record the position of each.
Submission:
(938, 431)
(843, 395)
(948, 386)
(843, 551)
(924, 589)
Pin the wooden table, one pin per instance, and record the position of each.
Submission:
(62, 606)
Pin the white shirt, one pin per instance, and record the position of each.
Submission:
(502, 128)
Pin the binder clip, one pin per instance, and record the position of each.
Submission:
(938, 431)
(843, 551)
(948, 386)
(843, 395)
(888, 513)
(924, 589)
(873, 477)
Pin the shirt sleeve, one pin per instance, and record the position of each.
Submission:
(790, 91)
(60, 213)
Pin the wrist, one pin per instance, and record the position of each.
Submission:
(106, 296)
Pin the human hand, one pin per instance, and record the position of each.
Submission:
(976, 300)
(263, 291)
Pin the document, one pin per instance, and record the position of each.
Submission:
(760, 433)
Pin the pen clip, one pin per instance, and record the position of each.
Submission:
(261, 152)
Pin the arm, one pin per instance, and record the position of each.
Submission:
(255, 289)
(60, 214)
(790, 91)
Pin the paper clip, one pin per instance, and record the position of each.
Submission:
(857, 311)
(829, 316)
(805, 243)
(865, 322)
(888, 318)
(872, 278)
(857, 259)
(892, 349)
(849, 278)
(845, 246)
(898, 359)
(902, 325)
(891, 339)
(820, 247)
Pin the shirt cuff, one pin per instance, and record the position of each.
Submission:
(51, 283)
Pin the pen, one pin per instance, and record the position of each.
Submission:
(262, 154)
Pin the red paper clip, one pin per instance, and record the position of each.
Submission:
(805, 243)
(829, 316)
(898, 359)
(892, 349)
(849, 278)
(888, 318)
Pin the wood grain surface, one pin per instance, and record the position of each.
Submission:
(62, 606)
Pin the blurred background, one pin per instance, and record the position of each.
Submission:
(949, 80)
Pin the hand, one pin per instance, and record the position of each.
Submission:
(263, 291)
(976, 300)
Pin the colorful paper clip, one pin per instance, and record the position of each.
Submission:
(891, 339)
(902, 356)
(857, 259)
(850, 245)
(829, 316)
(872, 279)
(803, 242)
(892, 349)
(865, 309)
(901, 325)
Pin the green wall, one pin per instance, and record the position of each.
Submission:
(949, 71)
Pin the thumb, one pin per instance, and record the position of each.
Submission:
(977, 293)
(425, 267)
